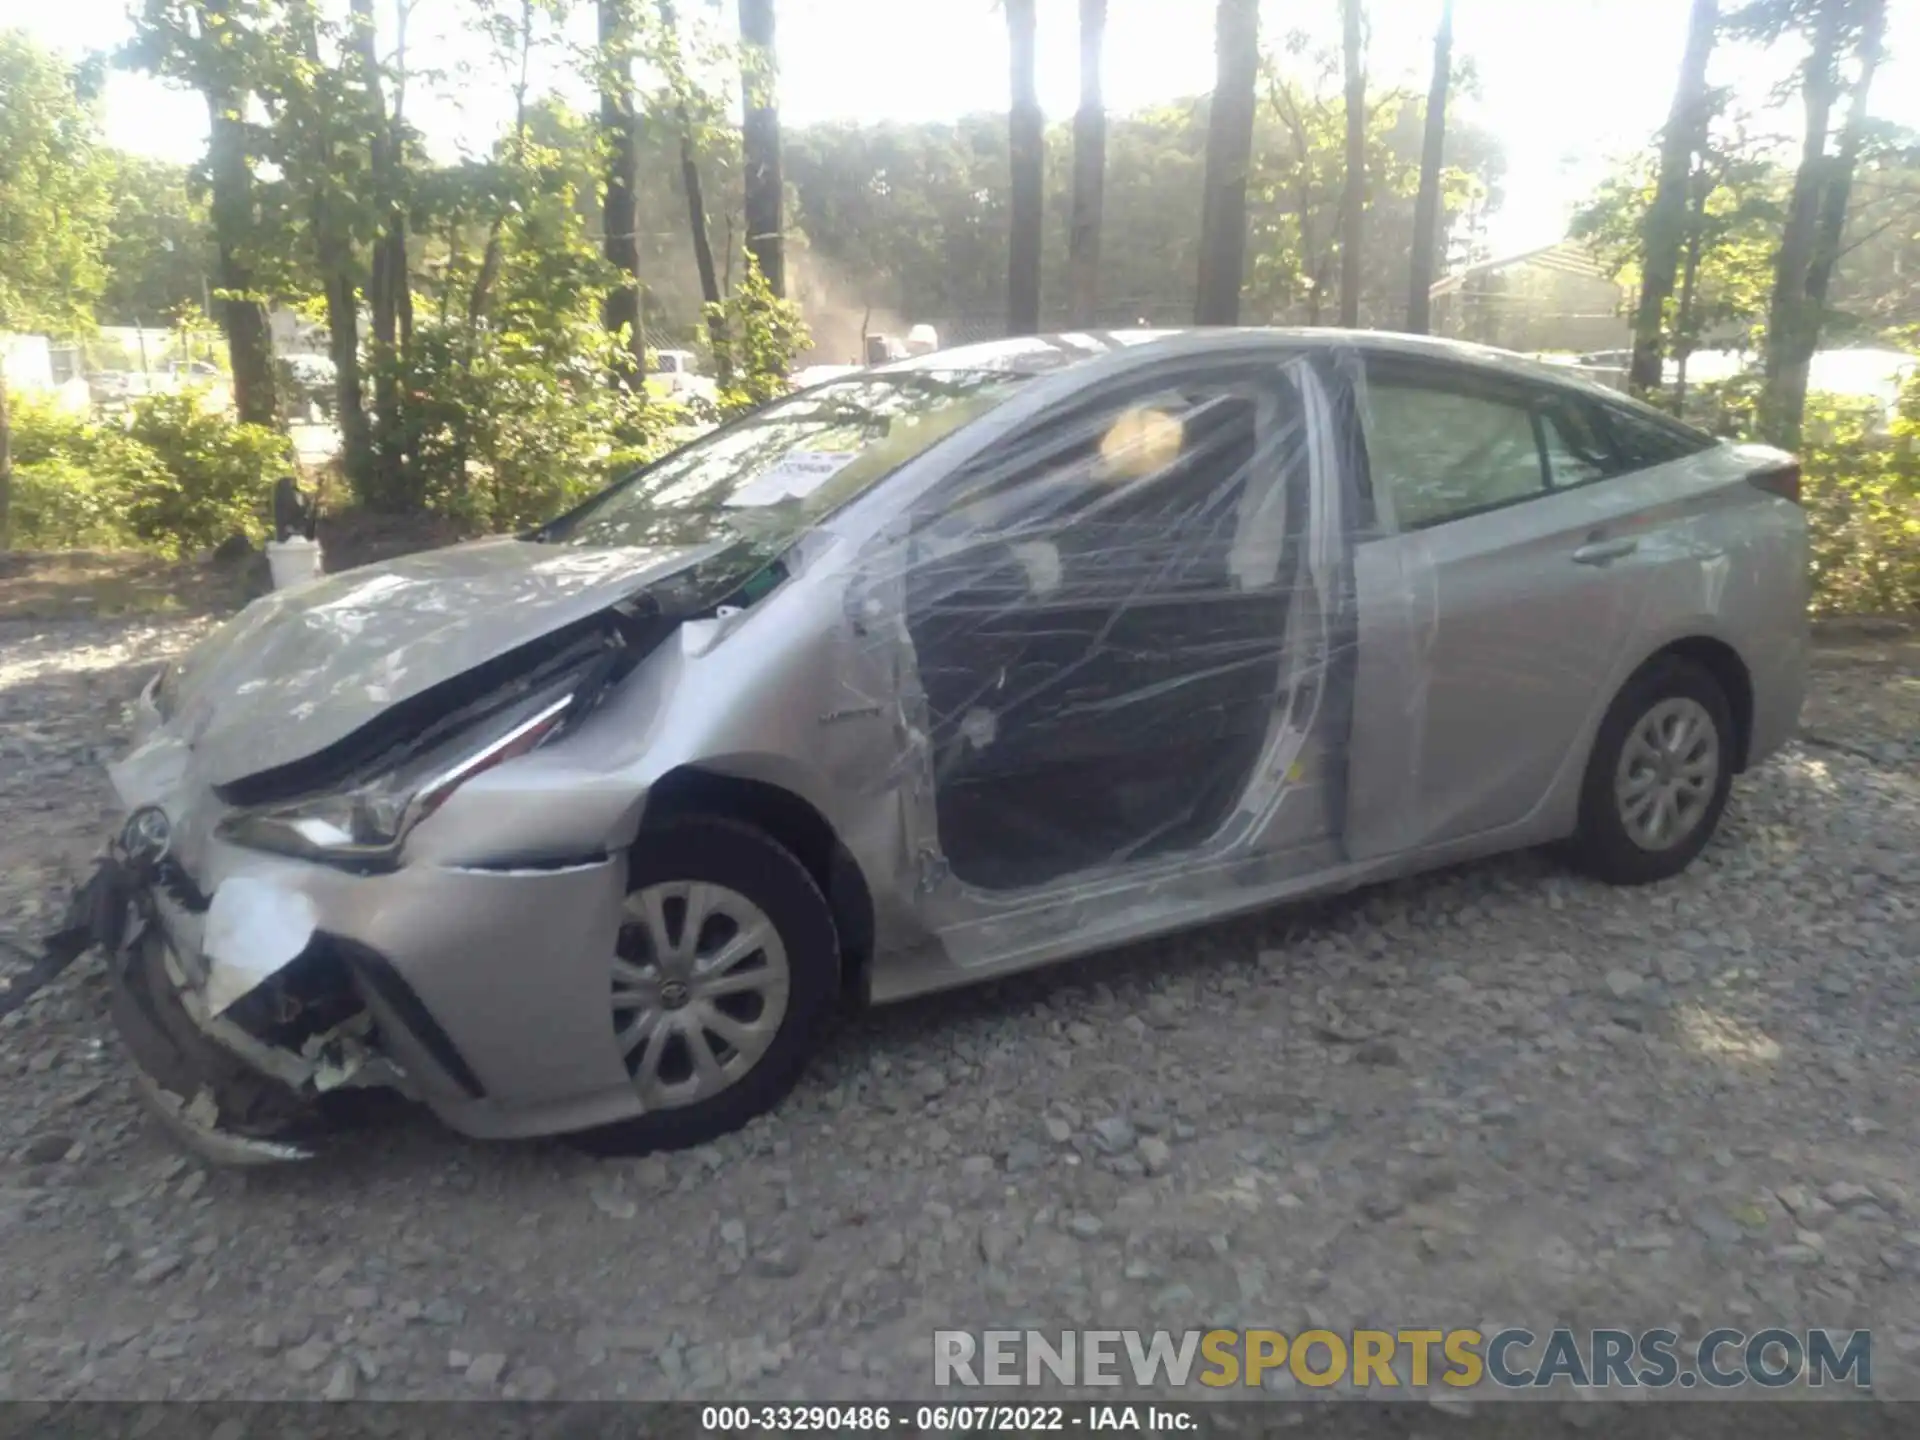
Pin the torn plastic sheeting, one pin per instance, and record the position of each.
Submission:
(1105, 620)
(254, 930)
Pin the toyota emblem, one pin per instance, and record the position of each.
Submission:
(147, 836)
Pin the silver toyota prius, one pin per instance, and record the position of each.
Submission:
(933, 672)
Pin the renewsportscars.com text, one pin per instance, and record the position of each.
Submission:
(1372, 1360)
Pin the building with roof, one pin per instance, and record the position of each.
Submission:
(1556, 297)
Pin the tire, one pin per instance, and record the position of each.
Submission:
(1665, 690)
(736, 863)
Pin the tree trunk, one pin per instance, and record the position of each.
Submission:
(242, 317)
(333, 258)
(1683, 336)
(6, 459)
(1026, 153)
(619, 210)
(1817, 218)
(1790, 336)
(396, 233)
(480, 299)
(343, 346)
(380, 286)
(1089, 170)
(389, 291)
(1353, 198)
(760, 142)
(1839, 186)
(710, 292)
(1666, 218)
(1426, 206)
(1223, 204)
(697, 219)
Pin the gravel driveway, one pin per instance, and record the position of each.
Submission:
(1498, 1094)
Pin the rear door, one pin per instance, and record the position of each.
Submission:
(1495, 604)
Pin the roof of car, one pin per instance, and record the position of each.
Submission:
(1043, 354)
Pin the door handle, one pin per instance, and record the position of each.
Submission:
(1605, 552)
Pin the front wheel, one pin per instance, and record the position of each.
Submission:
(1658, 778)
(726, 967)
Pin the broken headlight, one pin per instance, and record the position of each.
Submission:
(365, 823)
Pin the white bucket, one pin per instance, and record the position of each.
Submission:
(293, 562)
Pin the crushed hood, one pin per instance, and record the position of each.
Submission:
(300, 670)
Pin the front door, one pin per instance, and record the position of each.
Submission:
(1098, 609)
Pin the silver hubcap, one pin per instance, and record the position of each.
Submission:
(1667, 773)
(699, 990)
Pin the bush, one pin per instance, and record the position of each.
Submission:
(216, 476)
(763, 336)
(1861, 487)
(1860, 483)
(504, 428)
(175, 479)
(60, 505)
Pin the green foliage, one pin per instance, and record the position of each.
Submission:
(764, 335)
(53, 191)
(1734, 234)
(1299, 180)
(1862, 493)
(72, 480)
(506, 411)
(506, 427)
(1860, 485)
(176, 479)
(158, 251)
(217, 473)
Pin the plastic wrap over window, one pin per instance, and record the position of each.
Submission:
(1099, 618)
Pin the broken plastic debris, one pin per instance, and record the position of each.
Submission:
(204, 1110)
(195, 1127)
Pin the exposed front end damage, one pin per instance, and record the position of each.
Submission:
(240, 1014)
(252, 981)
(225, 1092)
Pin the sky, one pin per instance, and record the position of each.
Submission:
(1566, 85)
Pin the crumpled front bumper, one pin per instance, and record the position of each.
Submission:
(479, 988)
(237, 1082)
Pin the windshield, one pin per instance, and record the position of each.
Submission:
(772, 474)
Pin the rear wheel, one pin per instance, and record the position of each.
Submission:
(1658, 778)
(726, 967)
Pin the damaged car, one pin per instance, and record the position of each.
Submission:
(934, 672)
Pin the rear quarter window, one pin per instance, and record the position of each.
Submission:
(1641, 439)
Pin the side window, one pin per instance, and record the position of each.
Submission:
(1642, 441)
(1442, 454)
(1161, 492)
(1577, 452)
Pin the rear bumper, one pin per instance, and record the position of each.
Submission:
(1779, 655)
(1779, 690)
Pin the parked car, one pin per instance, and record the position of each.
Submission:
(675, 375)
(933, 673)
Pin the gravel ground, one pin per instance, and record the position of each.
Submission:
(1494, 1095)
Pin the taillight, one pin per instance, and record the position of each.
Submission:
(1781, 480)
